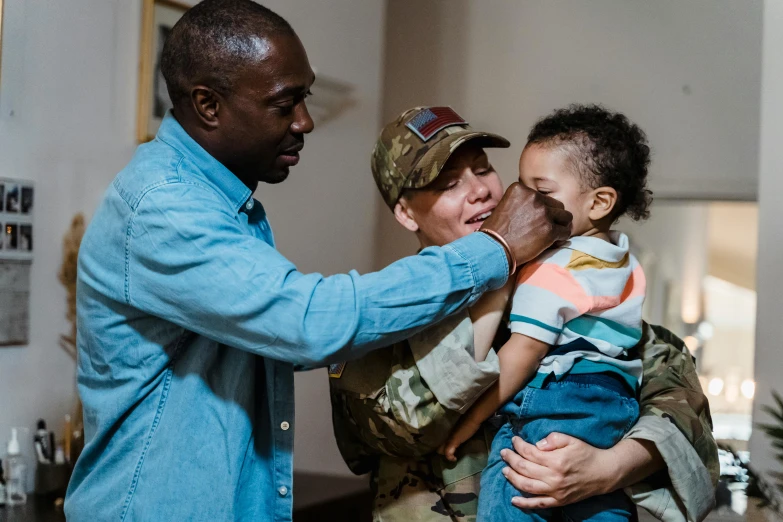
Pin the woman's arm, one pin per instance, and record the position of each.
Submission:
(563, 469)
(486, 315)
(673, 432)
(519, 359)
(404, 400)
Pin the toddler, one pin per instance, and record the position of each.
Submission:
(570, 364)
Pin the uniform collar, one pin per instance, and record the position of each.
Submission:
(172, 133)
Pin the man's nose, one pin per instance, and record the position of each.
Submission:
(303, 123)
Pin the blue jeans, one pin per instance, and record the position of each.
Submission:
(595, 408)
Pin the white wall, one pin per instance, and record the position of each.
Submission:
(769, 327)
(687, 72)
(67, 121)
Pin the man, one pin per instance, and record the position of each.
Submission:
(191, 323)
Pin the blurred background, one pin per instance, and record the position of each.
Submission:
(703, 78)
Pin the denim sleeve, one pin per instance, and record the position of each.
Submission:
(190, 261)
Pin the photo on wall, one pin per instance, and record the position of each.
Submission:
(26, 238)
(12, 199)
(17, 202)
(10, 238)
(158, 16)
(27, 200)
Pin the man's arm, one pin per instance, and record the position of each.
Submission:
(224, 284)
(235, 288)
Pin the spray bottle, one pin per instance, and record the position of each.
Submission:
(16, 468)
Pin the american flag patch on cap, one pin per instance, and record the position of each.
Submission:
(429, 121)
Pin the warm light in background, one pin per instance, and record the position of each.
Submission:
(715, 386)
(748, 388)
(692, 343)
(732, 393)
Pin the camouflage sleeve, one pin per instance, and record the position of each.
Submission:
(444, 355)
(392, 402)
(675, 415)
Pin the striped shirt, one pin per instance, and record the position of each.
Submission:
(585, 300)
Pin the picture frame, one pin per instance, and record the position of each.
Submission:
(158, 17)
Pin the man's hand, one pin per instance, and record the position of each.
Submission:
(529, 222)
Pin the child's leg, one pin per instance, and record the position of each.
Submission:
(612, 507)
(593, 408)
(496, 492)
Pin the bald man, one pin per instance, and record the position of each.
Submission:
(191, 323)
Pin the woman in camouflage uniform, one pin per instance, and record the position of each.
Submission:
(394, 407)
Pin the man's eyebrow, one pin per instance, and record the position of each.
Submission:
(293, 90)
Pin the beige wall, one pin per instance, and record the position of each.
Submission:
(687, 72)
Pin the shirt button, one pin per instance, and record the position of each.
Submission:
(249, 204)
(282, 490)
(284, 426)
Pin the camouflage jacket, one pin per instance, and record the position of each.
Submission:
(392, 408)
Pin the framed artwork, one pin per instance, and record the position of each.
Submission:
(158, 17)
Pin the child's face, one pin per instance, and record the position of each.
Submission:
(548, 170)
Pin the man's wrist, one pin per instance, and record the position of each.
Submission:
(512, 262)
(486, 259)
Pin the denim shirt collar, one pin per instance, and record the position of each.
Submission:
(172, 133)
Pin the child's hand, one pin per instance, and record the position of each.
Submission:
(463, 432)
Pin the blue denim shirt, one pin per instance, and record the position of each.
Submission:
(190, 324)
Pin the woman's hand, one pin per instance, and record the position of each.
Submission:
(563, 469)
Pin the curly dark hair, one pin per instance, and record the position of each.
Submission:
(607, 150)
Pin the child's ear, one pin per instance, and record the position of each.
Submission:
(405, 216)
(604, 200)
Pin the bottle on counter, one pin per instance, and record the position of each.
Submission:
(41, 442)
(16, 469)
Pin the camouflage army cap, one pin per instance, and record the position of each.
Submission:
(412, 150)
